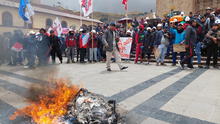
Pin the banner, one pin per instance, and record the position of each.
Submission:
(124, 46)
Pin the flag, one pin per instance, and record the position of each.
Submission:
(83, 41)
(125, 2)
(25, 10)
(86, 6)
(56, 27)
(17, 47)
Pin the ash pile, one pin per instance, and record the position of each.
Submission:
(89, 108)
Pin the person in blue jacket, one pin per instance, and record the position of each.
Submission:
(179, 35)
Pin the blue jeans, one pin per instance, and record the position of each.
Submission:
(99, 54)
(198, 52)
(182, 54)
(163, 51)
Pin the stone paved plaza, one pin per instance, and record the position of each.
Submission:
(150, 94)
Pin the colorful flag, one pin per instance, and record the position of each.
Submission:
(17, 47)
(83, 41)
(125, 2)
(56, 27)
(26, 10)
(86, 6)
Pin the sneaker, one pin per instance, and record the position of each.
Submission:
(200, 66)
(174, 64)
(68, 61)
(216, 67)
(207, 67)
(157, 64)
(123, 68)
(109, 69)
(190, 66)
(163, 64)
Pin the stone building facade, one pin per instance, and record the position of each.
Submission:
(43, 18)
(196, 6)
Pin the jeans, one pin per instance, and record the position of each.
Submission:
(99, 52)
(175, 55)
(212, 51)
(117, 56)
(93, 54)
(138, 51)
(163, 50)
(198, 52)
(71, 53)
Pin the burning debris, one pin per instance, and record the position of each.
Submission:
(71, 105)
(88, 108)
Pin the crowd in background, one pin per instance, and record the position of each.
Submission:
(200, 35)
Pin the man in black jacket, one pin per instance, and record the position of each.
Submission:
(190, 39)
(55, 45)
(212, 46)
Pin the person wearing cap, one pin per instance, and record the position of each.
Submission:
(83, 45)
(212, 46)
(148, 45)
(210, 21)
(71, 46)
(179, 37)
(190, 39)
(198, 43)
(55, 45)
(208, 12)
(93, 42)
(160, 44)
(140, 39)
(187, 22)
(43, 47)
(110, 38)
(77, 35)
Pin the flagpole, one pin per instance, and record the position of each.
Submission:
(92, 28)
(126, 15)
(80, 13)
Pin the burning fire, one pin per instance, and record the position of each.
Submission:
(51, 106)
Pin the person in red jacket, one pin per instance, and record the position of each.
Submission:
(93, 47)
(71, 46)
(140, 39)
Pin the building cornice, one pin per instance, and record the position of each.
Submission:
(48, 11)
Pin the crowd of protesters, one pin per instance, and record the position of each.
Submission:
(200, 34)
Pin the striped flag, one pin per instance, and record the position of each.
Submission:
(86, 6)
(125, 2)
(83, 41)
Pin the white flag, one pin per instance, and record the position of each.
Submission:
(29, 12)
(57, 27)
(87, 7)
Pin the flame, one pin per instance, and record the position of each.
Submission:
(51, 106)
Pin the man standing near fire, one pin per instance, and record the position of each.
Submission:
(110, 43)
(71, 46)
